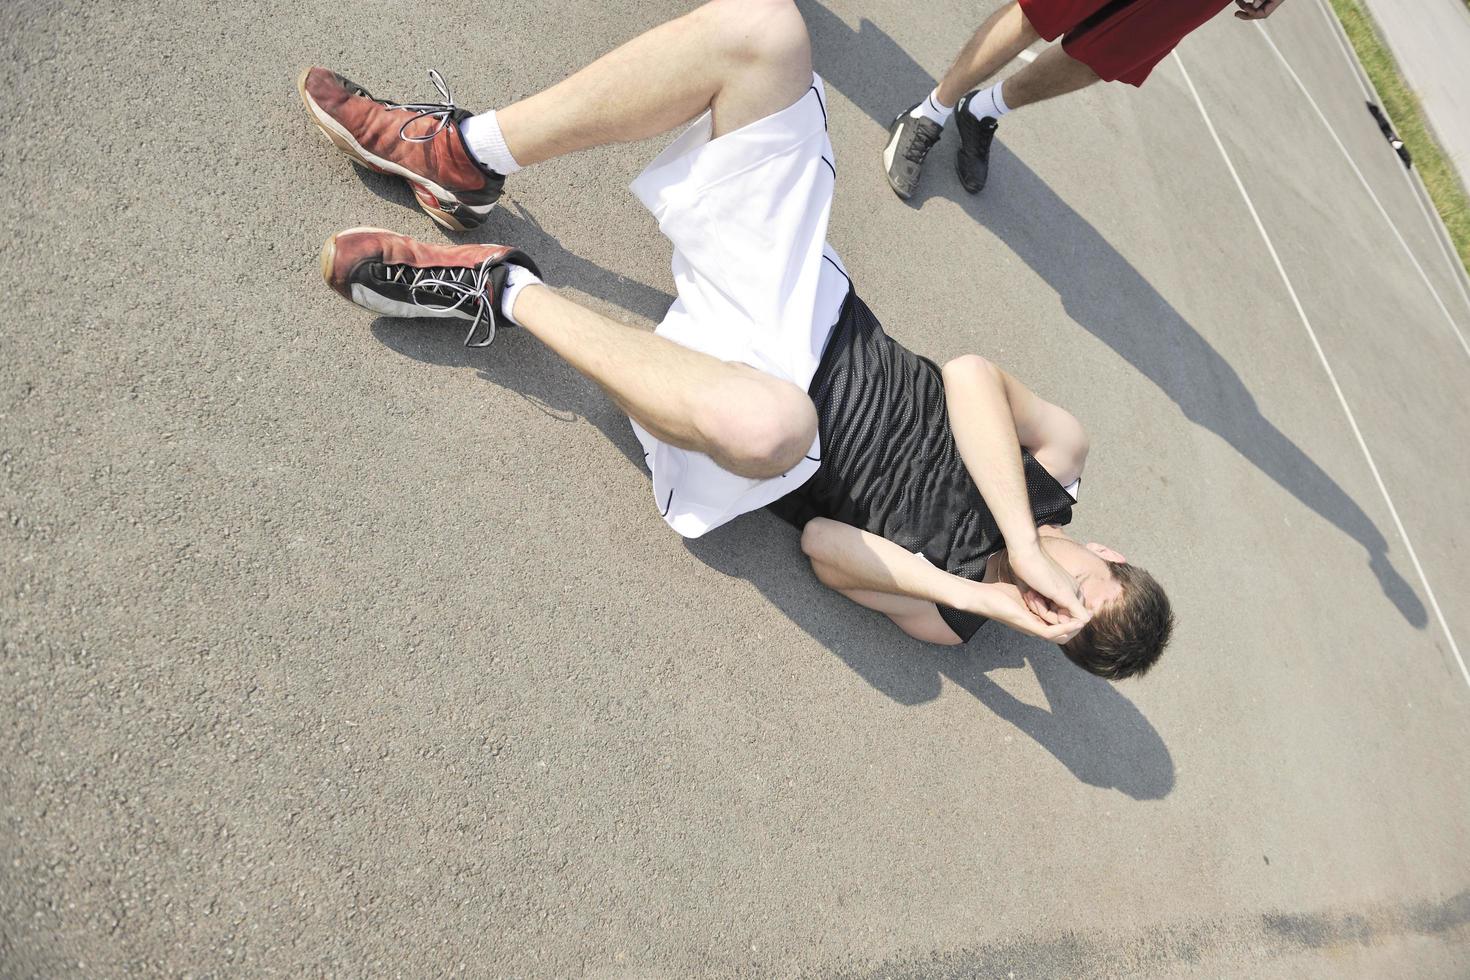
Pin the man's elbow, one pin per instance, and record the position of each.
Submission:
(1081, 445)
(1078, 444)
(820, 543)
(816, 538)
(969, 367)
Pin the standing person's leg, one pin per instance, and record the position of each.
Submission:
(978, 114)
(745, 59)
(1103, 39)
(1005, 34)
(996, 44)
(1053, 73)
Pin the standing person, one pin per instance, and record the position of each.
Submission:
(1107, 40)
(931, 496)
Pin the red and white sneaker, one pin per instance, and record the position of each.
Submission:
(419, 142)
(397, 276)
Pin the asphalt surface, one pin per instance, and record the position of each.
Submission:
(332, 648)
(1431, 42)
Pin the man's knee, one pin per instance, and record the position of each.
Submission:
(763, 436)
(769, 31)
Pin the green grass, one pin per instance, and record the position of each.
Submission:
(1435, 169)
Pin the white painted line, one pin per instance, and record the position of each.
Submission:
(1027, 56)
(1369, 188)
(1326, 366)
(1416, 185)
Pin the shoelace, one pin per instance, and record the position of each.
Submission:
(469, 284)
(919, 147)
(442, 111)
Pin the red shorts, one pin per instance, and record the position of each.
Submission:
(1121, 40)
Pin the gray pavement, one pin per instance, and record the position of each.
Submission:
(330, 647)
(1430, 39)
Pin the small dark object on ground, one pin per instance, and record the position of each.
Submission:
(1391, 136)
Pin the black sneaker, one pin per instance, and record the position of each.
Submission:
(972, 163)
(910, 139)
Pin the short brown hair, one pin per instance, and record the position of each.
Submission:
(1125, 637)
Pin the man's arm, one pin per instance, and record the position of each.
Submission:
(1049, 432)
(984, 427)
(859, 564)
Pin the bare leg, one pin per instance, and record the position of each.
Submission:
(1052, 74)
(749, 422)
(746, 59)
(916, 617)
(1003, 36)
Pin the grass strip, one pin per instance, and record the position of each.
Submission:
(1435, 169)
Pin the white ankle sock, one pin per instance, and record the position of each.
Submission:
(518, 278)
(931, 108)
(483, 137)
(989, 102)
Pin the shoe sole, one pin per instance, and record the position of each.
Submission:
(429, 195)
(883, 160)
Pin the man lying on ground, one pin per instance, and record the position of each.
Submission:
(933, 496)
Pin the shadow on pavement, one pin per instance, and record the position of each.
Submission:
(1098, 287)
